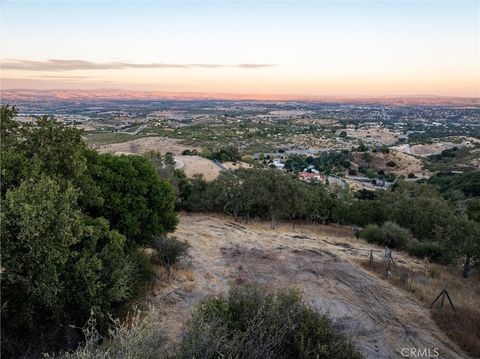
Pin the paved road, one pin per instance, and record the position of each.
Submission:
(220, 164)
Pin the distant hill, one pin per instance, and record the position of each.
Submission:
(16, 95)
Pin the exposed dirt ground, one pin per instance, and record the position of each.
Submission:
(236, 165)
(405, 163)
(193, 165)
(426, 150)
(197, 165)
(144, 144)
(321, 261)
(374, 135)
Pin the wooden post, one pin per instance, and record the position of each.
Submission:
(386, 261)
(443, 296)
(425, 272)
(449, 299)
(411, 281)
(387, 258)
(391, 258)
(372, 263)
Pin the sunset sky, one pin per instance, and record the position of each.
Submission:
(315, 48)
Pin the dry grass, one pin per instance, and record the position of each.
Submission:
(193, 165)
(462, 325)
(132, 145)
(301, 227)
(321, 261)
(176, 273)
(332, 231)
(235, 165)
(405, 163)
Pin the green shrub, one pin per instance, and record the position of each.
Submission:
(40, 224)
(70, 223)
(389, 234)
(390, 177)
(169, 250)
(252, 323)
(395, 236)
(145, 273)
(137, 202)
(373, 234)
(435, 251)
(434, 272)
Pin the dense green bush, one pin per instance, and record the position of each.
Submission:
(228, 153)
(168, 250)
(252, 323)
(373, 234)
(39, 224)
(433, 250)
(417, 207)
(389, 234)
(63, 258)
(136, 202)
(259, 193)
(395, 236)
(59, 266)
(468, 183)
(368, 171)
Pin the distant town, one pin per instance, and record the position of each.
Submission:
(364, 144)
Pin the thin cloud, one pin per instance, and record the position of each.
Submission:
(254, 66)
(59, 77)
(70, 65)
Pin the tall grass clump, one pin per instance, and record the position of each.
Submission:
(135, 337)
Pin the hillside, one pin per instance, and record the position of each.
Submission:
(323, 262)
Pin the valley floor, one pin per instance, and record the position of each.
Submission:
(321, 261)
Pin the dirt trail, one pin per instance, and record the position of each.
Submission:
(380, 318)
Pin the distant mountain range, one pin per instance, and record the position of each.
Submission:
(33, 95)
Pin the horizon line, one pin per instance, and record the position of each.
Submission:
(239, 94)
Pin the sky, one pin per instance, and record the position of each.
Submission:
(312, 48)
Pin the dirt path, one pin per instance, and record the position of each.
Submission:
(380, 319)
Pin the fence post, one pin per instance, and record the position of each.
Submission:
(442, 294)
